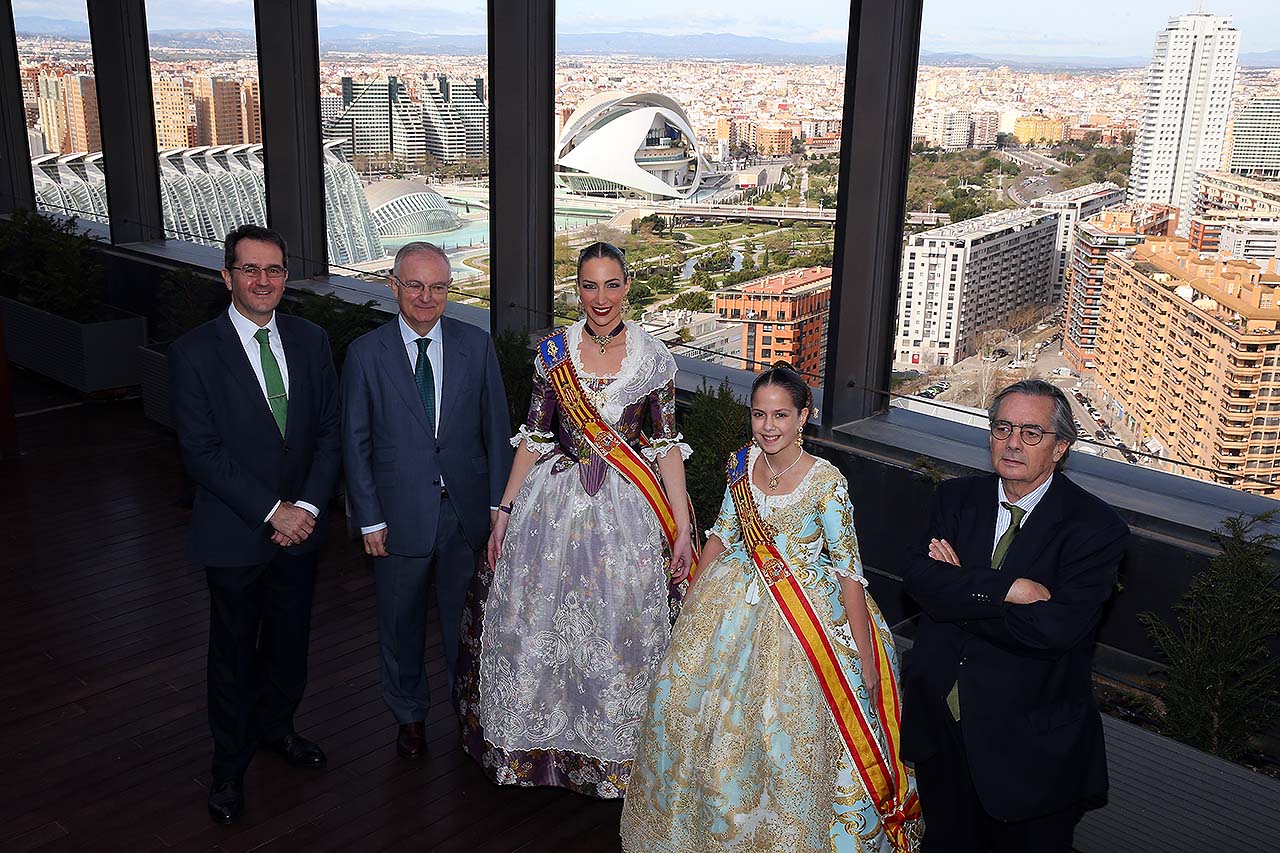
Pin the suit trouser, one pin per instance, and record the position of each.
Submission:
(954, 819)
(402, 584)
(259, 632)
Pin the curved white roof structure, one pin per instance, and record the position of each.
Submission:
(209, 190)
(407, 208)
(632, 144)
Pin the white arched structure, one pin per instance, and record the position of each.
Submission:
(630, 144)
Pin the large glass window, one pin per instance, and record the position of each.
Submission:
(208, 117)
(405, 115)
(1069, 219)
(60, 98)
(713, 161)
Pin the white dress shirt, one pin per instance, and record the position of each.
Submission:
(1004, 518)
(435, 355)
(246, 329)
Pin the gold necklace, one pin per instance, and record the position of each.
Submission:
(604, 340)
(773, 481)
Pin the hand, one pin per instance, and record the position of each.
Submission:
(872, 681)
(941, 550)
(1026, 591)
(292, 524)
(496, 537)
(681, 558)
(375, 543)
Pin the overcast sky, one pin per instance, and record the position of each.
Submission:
(1042, 27)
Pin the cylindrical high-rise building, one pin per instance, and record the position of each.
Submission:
(1186, 108)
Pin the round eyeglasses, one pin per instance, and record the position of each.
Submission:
(1032, 434)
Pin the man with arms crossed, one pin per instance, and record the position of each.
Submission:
(426, 445)
(998, 710)
(255, 403)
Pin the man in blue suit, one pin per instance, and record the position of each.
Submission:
(255, 403)
(427, 452)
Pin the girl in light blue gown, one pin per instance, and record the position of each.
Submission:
(741, 748)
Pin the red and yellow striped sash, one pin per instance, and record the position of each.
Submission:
(883, 775)
(613, 448)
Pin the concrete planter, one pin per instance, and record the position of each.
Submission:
(85, 356)
(153, 373)
(1170, 797)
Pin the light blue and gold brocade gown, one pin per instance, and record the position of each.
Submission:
(738, 750)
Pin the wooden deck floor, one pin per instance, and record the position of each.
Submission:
(104, 741)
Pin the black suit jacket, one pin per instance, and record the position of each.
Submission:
(232, 447)
(1032, 733)
(394, 463)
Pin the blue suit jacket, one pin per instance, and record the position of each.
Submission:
(393, 462)
(232, 447)
(1032, 734)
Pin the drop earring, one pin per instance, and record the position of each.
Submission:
(800, 437)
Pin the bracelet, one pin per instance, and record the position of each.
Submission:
(507, 508)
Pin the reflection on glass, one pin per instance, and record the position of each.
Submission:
(405, 117)
(714, 166)
(60, 99)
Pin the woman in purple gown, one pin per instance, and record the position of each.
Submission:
(563, 634)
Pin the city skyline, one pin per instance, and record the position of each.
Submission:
(948, 27)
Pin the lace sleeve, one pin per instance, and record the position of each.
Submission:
(837, 526)
(536, 431)
(666, 437)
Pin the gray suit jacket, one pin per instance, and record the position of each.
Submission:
(393, 462)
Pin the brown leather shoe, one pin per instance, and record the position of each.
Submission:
(412, 741)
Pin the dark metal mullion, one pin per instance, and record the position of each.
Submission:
(122, 76)
(521, 200)
(293, 151)
(875, 146)
(16, 189)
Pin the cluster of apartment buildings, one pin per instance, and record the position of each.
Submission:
(387, 119)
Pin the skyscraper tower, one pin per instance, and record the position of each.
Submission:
(1186, 108)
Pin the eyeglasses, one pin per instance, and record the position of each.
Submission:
(440, 288)
(274, 272)
(1031, 433)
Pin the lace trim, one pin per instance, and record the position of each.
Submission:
(768, 503)
(646, 367)
(660, 447)
(537, 441)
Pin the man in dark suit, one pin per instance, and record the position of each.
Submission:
(998, 710)
(427, 452)
(255, 403)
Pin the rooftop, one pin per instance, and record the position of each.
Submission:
(787, 282)
(988, 223)
(1084, 193)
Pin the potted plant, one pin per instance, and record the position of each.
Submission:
(1181, 788)
(52, 298)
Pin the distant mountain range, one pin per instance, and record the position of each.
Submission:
(349, 39)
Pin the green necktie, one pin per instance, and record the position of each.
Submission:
(426, 379)
(1016, 514)
(276, 395)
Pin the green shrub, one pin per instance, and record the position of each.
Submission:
(1221, 686)
(716, 425)
(49, 264)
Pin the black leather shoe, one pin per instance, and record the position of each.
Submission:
(297, 750)
(411, 741)
(226, 801)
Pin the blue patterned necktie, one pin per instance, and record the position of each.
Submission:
(426, 379)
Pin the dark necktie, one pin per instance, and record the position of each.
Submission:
(426, 379)
(1016, 514)
(276, 396)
